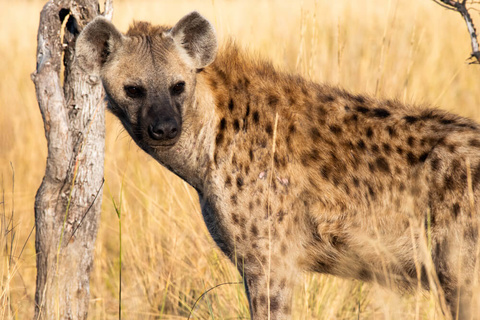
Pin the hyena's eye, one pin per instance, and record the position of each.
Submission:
(178, 88)
(134, 91)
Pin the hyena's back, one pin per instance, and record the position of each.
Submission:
(359, 170)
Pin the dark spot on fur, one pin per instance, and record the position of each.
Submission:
(254, 230)
(447, 121)
(371, 167)
(250, 154)
(269, 129)
(246, 82)
(231, 105)
(312, 156)
(239, 182)
(365, 275)
(235, 218)
(382, 165)
(371, 192)
(391, 132)
(411, 141)
(474, 143)
(245, 120)
(399, 150)
(213, 84)
(291, 129)
(351, 118)
(356, 182)
(321, 267)
(219, 139)
(325, 172)
(423, 157)
(272, 100)
(449, 182)
(359, 99)
(321, 112)
(236, 125)
(326, 98)
(254, 304)
(375, 148)
(361, 144)
(452, 148)
(263, 300)
(221, 74)
(233, 199)
(256, 117)
(335, 130)
(362, 109)
(435, 164)
(274, 304)
(381, 113)
(410, 119)
(280, 215)
(476, 175)
(387, 149)
(315, 134)
(223, 124)
(411, 159)
(456, 210)
(369, 132)
(346, 188)
(280, 162)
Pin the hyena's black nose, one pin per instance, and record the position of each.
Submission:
(163, 129)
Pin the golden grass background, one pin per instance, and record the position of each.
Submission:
(412, 50)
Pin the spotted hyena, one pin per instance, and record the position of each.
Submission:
(293, 175)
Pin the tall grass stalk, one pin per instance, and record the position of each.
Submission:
(118, 211)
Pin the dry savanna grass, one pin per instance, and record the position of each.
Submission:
(412, 50)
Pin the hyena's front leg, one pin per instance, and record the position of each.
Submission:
(269, 292)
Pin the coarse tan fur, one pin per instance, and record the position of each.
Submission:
(296, 176)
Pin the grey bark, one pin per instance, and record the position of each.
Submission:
(68, 202)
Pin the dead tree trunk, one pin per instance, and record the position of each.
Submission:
(68, 202)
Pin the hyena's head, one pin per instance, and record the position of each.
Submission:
(149, 74)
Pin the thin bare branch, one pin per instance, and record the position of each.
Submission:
(108, 12)
(442, 5)
(461, 7)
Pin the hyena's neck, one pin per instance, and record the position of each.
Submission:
(233, 90)
(217, 122)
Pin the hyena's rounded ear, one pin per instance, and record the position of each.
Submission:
(197, 37)
(97, 41)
